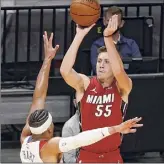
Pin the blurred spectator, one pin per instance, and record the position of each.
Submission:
(125, 46)
(71, 128)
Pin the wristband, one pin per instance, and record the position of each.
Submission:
(107, 36)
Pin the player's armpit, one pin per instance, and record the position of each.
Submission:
(124, 83)
(75, 80)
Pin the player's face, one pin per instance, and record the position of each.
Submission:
(103, 66)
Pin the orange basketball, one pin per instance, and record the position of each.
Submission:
(85, 12)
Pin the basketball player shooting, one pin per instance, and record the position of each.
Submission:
(37, 142)
(100, 97)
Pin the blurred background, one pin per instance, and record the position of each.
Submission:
(22, 25)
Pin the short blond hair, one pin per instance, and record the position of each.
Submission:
(102, 49)
(114, 10)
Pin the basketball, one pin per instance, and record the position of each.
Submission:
(85, 12)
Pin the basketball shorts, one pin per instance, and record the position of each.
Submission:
(108, 157)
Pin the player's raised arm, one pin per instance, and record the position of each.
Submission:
(124, 82)
(40, 92)
(92, 136)
(71, 77)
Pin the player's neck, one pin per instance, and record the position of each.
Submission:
(40, 137)
(106, 82)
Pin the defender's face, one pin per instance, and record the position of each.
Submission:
(103, 66)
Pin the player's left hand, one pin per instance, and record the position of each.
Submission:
(49, 51)
(112, 26)
(126, 126)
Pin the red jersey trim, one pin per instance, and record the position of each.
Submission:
(42, 143)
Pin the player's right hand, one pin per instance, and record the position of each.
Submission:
(83, 30)
(129, 126)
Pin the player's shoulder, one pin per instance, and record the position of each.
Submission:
(94, 81)
(85, 79)
(54, 140)
(53, 144)
(26, 139)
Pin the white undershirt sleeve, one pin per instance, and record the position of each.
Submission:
(83, 139)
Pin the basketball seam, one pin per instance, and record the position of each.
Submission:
(91, 22)
(84, 15)
(86, 5)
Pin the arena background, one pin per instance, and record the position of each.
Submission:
(22, 25)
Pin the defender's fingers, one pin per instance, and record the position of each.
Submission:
(136, 119)
(56, 48)
(45, 38)
(51, 38)
(137, 125)
(132, 130)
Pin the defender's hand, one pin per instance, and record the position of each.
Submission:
(126, 126)
(112, 26)
(49, 51)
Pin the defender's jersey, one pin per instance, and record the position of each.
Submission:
(101, 107)
(30, 151)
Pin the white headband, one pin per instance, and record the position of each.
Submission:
(42, 128)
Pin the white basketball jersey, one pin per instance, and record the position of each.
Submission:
(30, 152)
